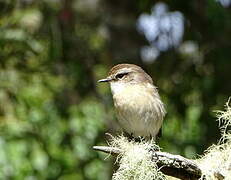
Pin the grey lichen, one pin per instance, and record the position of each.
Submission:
(216, 163)
(135, 161)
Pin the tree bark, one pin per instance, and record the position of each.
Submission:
(171, 165)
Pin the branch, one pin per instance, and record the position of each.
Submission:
(172, 165)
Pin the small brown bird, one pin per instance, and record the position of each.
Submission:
(139, 109)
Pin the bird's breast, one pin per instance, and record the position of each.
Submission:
(139, 110)
(133, 97)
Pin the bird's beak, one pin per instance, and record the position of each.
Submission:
(105, 80)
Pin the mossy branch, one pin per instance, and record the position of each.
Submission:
(172, 165)
(143, 159)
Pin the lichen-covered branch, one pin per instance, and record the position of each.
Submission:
(172, 165)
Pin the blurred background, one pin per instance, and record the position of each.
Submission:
(52, 52)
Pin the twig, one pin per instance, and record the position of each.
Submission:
(172, 165)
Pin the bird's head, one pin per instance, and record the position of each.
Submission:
(123, 75)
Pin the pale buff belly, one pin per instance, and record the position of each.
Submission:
(138, 113)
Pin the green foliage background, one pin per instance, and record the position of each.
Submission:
(52, 53)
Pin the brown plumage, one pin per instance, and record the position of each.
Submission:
(139, 109)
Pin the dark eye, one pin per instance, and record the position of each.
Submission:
(121, 75)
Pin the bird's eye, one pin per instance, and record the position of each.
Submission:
(121, 75)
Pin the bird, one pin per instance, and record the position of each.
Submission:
(139, 108)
